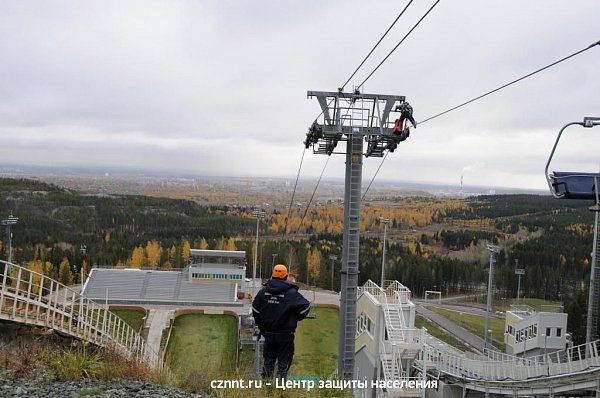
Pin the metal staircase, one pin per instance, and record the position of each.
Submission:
(177, 289)
(404, 343)
(30, 298)
(145, 285)
(409, 354)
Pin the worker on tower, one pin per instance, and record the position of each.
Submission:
(406, 113)
(277, 308)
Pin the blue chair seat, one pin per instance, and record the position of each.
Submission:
(574, 185)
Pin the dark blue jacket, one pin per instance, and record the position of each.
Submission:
(278, 307)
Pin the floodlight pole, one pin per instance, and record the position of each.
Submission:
(259, 214)
(8, 222)
(83, 251)
(355, 118)
(332, 257)
(385, 222)
(519, 272)
(494, 250)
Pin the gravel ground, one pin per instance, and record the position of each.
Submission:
(96, 389)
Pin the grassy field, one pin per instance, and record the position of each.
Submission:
(203, 343)
(133, 318)
(440, 333)
(536, 303)
(316, 344)
(504, 304)
(475, 324)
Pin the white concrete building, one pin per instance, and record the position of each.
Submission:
(387, 342)
(529, 332)
(222, 266)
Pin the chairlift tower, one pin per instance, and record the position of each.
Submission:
(355, 118)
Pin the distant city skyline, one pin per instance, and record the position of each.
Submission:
(219, 87)
(306, 183)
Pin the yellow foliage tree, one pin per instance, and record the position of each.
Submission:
(153, 253)
(185, 251)
(202, 244)
(137, 257)
(172, 252)
(314, 261)
(64, 272)
(230, 244)
(84, 270)
(38, 268)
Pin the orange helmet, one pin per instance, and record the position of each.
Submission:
(280, 271)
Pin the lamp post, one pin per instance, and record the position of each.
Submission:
(8, 222)
(524, 344)
(83, 251)
(274, 255)
(494, 250)
(385, 221)
(259, 214)
(545, 336)
(519, 272)
(332, 257)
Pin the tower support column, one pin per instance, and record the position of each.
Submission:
(350, 255)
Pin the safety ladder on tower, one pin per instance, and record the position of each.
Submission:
(595, 278)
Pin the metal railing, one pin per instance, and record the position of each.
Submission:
(573, 360)
(32, 298)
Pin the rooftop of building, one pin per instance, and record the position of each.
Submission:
(152, 286)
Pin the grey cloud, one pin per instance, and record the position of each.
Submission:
(152, 74)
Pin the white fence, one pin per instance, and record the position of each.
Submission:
(32, 298)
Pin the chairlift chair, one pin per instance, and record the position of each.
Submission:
(572, 185)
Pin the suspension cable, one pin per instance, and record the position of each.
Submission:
(400, 42)
(510, 83)
(374, 175)
(377, 44)
(485, 95)
(293, 195)
(313, 195)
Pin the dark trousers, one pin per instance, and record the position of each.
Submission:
(279, 347)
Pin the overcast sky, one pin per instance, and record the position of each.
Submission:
(219, 87)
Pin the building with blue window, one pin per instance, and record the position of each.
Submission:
(223, 266)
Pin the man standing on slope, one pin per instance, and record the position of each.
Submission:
(277, 308)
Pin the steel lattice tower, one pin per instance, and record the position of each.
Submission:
(357, 119)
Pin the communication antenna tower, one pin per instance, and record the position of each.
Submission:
(355, 118)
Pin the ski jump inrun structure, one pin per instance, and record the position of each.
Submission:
(30, 298)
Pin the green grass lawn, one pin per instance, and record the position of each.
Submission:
(440, 333)
(203, 343)
(537, 304)
(504, 304)
(475, 324)
(316, 344)
(133, 318)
